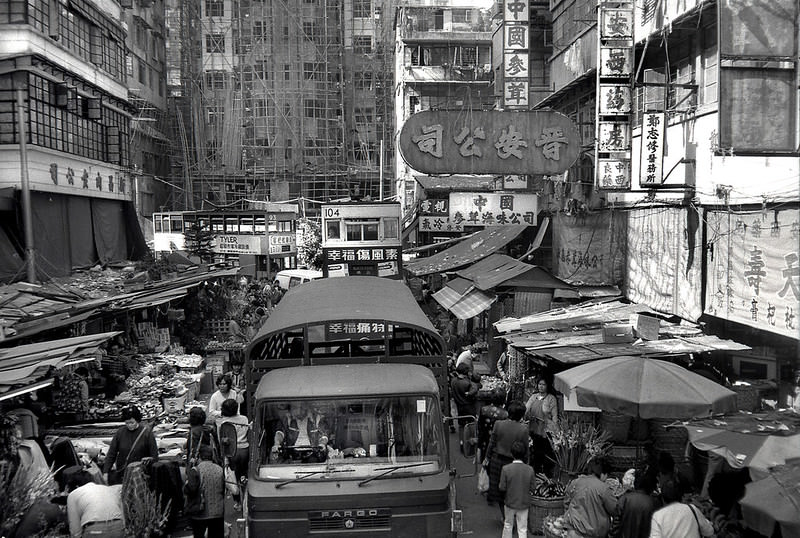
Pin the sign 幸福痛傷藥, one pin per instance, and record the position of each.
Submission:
(489, 142)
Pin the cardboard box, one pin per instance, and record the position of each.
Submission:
(615, 333)
(645, 327)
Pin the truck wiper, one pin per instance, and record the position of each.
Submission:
(307, 474)
(389, 470)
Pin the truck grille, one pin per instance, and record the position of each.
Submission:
(347, 520)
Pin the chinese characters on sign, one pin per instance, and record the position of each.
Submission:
(516, 62)
(363, 254)
(513, 142)
(356, 329)
(754, 274)
(492, 209)
(435, 216)
(652, 155)
(614, 92)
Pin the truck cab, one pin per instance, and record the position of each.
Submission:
(349, 449)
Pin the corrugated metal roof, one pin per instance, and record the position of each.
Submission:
(457, 183)
(468, 251)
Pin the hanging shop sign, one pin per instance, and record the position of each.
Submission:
(435, 216)
(753, 273)
(492, 209)
(239, 244)
(614, 88)
(651, 157)
(515, 182)
(282, 243)
(489, 142)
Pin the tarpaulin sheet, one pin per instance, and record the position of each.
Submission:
(464, 306)
(108, 221)
(81, 243)
(590, 249)
(753, 273)
(468, 251)
(11, 262)
(664, 260)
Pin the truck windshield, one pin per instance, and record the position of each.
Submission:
(315, 439)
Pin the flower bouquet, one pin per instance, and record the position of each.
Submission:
(574, 444)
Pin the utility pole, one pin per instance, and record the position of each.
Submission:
(27, 221)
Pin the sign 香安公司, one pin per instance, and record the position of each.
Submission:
(490, 142)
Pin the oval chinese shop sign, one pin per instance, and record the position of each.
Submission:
(489, 142)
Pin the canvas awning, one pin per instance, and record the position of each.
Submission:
(478, 246)
(25, 365)
(462, 299)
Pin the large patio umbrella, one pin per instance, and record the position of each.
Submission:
(774, 500)
(645, 388)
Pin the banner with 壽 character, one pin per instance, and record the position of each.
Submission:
(753, 269)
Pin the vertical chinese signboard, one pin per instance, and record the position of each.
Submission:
(516, 64)
(753, 273)
(651, 158)
(614, 95)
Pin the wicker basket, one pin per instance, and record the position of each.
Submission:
(616, 425)
(542, 507)
(673, 440)
(622, 458)
(747, 398)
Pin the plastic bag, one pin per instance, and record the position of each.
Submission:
(231, 484)
(483, 481)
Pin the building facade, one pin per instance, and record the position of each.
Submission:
(64, 86)
(689, 116)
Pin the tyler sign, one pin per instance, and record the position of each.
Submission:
(489, 142)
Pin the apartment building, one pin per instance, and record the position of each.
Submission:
(65, 130)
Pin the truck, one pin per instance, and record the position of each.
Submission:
(347, 383)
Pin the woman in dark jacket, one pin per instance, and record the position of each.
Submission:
(504, 433)
(201, 434)
(130, 443)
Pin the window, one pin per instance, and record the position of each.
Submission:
(390, 228)
(362, 44)
(259, 30)
(231, 225)
(362, 9)
(215, 8)
(333, 229)
(462, 15)
(215, 80)
(362, 230)
(215, 43)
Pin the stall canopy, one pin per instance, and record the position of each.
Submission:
(756, 441)
(501, 270)
(461, 298)
(470, 250)
(28, 365)
(575, 334)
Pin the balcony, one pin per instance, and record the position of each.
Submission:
(443, 74)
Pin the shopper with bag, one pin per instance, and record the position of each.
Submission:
(131, 442)
(205, 496)
(235, 464)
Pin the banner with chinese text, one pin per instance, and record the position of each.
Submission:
(589, 250)
(753, 273)
(492, 209)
